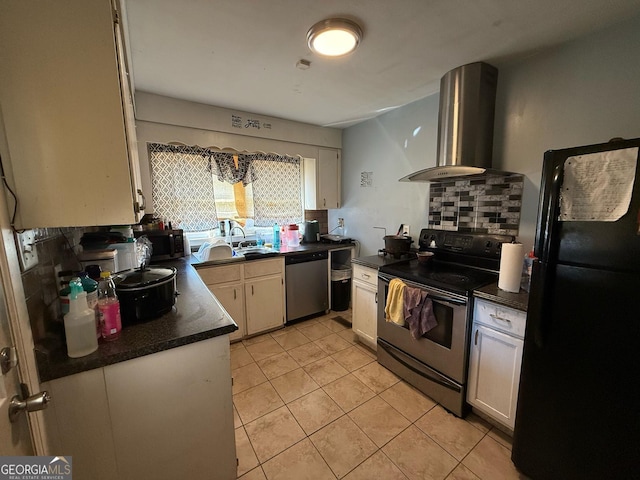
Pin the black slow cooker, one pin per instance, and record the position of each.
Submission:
(145, 294)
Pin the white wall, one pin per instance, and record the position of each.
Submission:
(586, 91)
(583, 92)
(391, 146)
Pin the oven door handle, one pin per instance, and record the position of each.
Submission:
(433, 296)
(439, 380)
(447, 301)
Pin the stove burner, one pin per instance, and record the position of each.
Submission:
(397, 255)
(453, 278)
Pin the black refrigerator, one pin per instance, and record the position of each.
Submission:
(578, 414)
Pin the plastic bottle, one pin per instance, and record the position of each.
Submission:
(91, 287)
(276, 236)
(109, 308)
(527, 266)
(79, 323)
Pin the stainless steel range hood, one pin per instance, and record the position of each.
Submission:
(465, 124)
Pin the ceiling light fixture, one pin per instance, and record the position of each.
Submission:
(334, 37)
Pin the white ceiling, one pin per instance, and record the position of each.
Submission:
(242, 54)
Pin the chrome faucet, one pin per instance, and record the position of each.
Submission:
(239, 228)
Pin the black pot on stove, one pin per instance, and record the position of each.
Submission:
(397, 245)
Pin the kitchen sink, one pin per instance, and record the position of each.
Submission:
(252, 252)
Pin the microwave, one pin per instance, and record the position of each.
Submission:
(167, 244)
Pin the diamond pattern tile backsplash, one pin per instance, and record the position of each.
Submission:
(488, 204)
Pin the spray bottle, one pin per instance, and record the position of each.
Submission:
(79, 323)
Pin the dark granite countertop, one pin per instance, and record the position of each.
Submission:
(197, 316)
(377, 261)
(492, 293)
(283, 251)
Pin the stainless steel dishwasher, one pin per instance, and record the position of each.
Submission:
(307, 277)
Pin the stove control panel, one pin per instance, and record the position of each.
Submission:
(477, 244)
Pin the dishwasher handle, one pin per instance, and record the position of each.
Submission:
(306, 257)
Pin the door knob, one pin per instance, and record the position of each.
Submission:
(28, 403)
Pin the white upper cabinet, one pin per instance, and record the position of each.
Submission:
(322, 180)
(68, 146)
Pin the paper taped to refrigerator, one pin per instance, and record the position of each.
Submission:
(597, 187)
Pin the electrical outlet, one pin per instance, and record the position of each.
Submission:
(406, 230)
(341, 222)
(27, 252)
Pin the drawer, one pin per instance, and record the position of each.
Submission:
(222, 274)
(259, 268)
(365, 274)
(499, 317)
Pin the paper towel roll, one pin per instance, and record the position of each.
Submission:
(511, 260)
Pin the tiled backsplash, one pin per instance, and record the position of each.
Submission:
(55, 246)
(487, 204)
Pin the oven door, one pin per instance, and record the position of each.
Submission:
(443, 348)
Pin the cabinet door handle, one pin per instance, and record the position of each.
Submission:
(324, 202)
(376, 297)
(475, 342)
(251, 289)
(143, 206)
(366, 275)
(500, 319)
(234, 293)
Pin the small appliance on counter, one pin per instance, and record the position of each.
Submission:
(311, 232)
(166, 244)
(107, 260)
(97, 245)
(146, 294)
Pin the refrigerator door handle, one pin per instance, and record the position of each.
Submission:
(540, 301)
(550, 245)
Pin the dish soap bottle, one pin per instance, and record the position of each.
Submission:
(108, 308)
(79, 323)
(276, 236)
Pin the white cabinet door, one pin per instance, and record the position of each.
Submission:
(494, 373)
(329, 178)
(322, 180)
(79, 424)
(232, 299)
(172, 413)
(265, 303)
(364, 312)
(66, 151)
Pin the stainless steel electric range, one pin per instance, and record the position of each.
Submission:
(436, 363)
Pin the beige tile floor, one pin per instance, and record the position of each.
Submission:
(310, 402)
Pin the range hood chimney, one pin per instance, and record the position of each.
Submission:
(465, 124)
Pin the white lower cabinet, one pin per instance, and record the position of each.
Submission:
(252, 293)
(265, 308)
(495, 360)
(232, 299)
(166, 415)
(364, 304)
